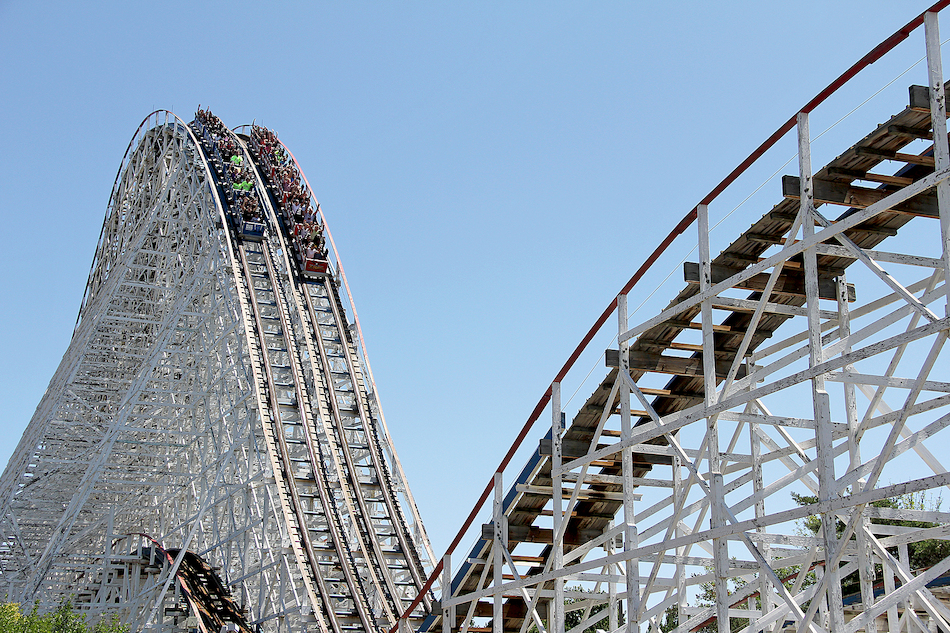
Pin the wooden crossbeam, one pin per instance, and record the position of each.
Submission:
(587, 515)
(782, 216)
(585, 493)
(696, 325)
(886, 154)
(528, 559)
(764, 238)
(573, 449)
(828, 192)
(650, 391)
(532, 534)
(914, 132)
(788, 283)
(598, 408)
(857, 174)
(646, 361)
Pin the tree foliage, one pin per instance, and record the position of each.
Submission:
(62, 620)
(922, 553)
(574, 616)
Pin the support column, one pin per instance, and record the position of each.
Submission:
(448, 613)
(717, 501)
(631, 540)
(500, 541)
(557, 500)
(865, 558)
(612, 621)
(766, 588)
(938, 121)
(821, 400)
(678, 502)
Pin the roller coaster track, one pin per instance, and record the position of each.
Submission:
(210, 454)
(590, 507)
(232, 421)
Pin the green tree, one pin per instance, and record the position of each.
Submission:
(922, 554)
(670, 621)
(62, 620)
(574, 617)
(9, 616)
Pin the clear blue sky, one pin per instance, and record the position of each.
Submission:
(492, 172)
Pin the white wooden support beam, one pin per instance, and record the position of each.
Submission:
(821, 401)
(938, 121)
(766, 598)
(630, 537)
(881, 256)
(499, 542)
(679, 496)
(865, 559)
(609, 549)
(557, 502)
(448, 611)
(716, 498)
(878, 270)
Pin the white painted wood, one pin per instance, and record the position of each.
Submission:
(448, 612)
(938, 122)
(879, 271)
(557, 494)
(788, 252)
(630, 536)
(499, 545)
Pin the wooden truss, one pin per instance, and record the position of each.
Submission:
(211, 444)
(769, 373)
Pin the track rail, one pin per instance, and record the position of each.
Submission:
(349, 407)
(352, 547)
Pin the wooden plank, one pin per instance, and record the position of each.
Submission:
(677, 366)
(532, 534)
(789, 282)
(840, 193)
(764, 238)
(886, 154)
(513, 609)
(696, 325)
(585, 494)
(919, 98)
(572, 449)
(903, 130)
(857, 174)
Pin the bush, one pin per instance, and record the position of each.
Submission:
(62, 620)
